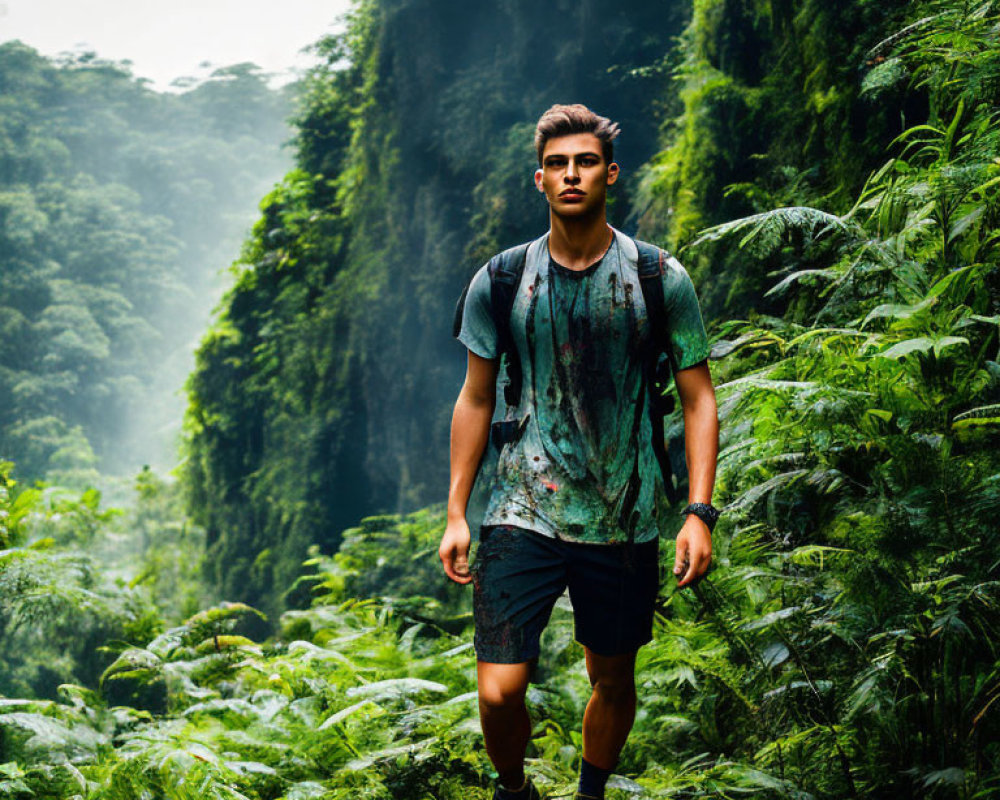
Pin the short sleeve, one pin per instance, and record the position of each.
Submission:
(478, 332)
(686, 329)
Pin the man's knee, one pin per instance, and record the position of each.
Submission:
(615, 688)
(503, 685)
(496, 695)
(612, 677)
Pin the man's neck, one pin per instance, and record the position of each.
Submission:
(576, 243)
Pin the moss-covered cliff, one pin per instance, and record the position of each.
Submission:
(767, 110)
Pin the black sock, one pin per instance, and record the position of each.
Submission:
(592, 779)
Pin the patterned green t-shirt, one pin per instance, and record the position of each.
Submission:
(586, 435)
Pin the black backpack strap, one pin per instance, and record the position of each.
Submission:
(505, 271)
(651, 261)
(508, 265)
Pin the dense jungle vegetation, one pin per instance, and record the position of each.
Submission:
(119, 207)
(281, 627)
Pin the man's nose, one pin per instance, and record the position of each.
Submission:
(571, 174)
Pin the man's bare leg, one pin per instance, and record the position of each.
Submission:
(610, 712)
(504, 717)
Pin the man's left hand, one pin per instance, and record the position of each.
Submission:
(693, 550)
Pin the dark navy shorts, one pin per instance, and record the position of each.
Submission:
(519, 574)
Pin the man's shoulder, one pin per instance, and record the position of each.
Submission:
(650, 249)
(511, 255)
(668, 263)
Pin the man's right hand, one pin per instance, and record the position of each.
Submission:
(454, 550)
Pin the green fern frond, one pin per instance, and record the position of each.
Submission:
(769, 229)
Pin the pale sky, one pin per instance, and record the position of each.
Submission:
(167, 39)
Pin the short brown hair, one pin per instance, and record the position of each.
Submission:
(561, 120)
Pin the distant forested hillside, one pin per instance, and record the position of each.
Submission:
(119, 209)
(324, 391)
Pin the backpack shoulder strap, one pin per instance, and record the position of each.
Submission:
(505, 265)
(650, 266)
(505, 271)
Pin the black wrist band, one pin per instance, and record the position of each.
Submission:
(706, 512)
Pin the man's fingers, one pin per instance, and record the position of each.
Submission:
(449, 568)
(459, 576)
(680, 556)
(697, 568)
(456, 565)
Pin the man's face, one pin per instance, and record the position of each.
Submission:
(574, 175)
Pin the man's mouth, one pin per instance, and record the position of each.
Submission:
(571, 193)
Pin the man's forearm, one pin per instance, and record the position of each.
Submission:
(470, 429)
(701, 446)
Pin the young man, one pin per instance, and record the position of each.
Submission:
(575, 500)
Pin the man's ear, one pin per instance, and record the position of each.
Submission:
(613, 171)
(538, 180)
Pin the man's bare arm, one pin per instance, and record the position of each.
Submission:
(470, 429)
(701, 448)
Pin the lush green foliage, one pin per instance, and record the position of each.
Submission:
(769, 112)
(860, 456)
(117, 207)
(844, 644)
(78, 581)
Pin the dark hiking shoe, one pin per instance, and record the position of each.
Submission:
(529, 792)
